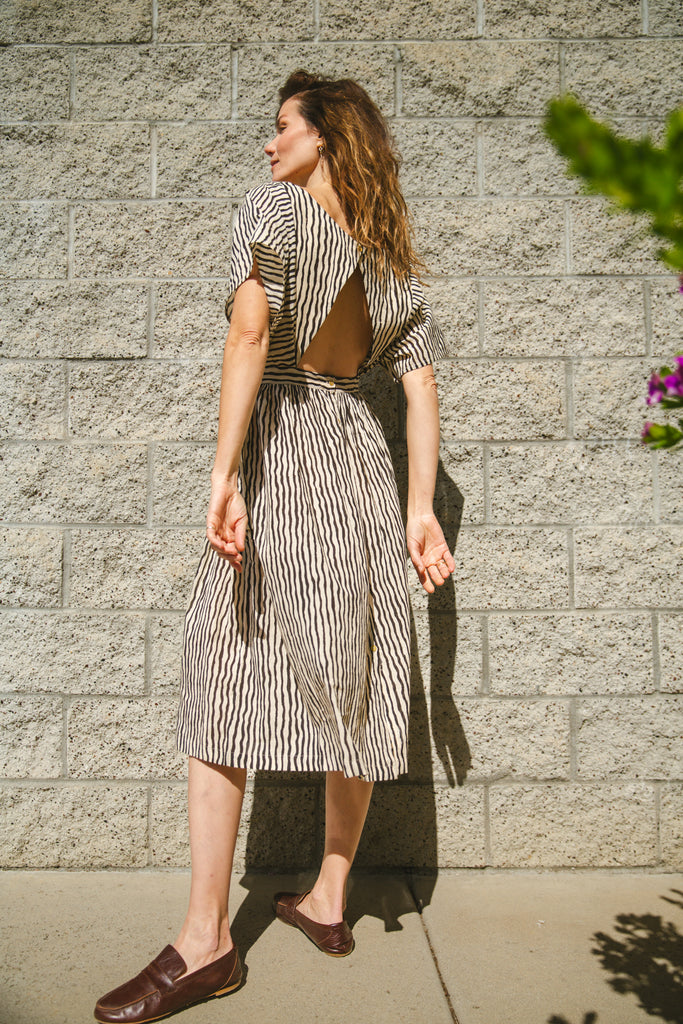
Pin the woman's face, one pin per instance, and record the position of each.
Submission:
(294, 150)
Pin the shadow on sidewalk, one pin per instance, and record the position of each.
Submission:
(645, 960)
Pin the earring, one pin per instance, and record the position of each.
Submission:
(321, 150)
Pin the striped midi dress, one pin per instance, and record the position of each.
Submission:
(301, 662)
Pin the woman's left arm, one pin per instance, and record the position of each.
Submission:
(427, 546)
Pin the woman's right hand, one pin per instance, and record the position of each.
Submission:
(226, 521)
(429, 551)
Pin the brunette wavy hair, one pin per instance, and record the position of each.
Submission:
(363, 164)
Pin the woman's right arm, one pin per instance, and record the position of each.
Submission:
(244, 358)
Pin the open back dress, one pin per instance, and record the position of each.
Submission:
(301, 662)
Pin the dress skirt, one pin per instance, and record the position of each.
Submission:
(302, 661)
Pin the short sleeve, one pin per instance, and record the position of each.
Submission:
(419, 343)
(264, 230)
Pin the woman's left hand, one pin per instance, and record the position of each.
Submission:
(429, 551)
(226, 522)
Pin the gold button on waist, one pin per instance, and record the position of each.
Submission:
(330, 382)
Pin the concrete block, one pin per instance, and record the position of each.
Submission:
(610, 242)
(150, 82)
(478, 78)
(30, 567)
(181, 484)
(519, 159)
(74, 319)
(670, 487)
(165, 651)
(487, 400)
(72, 21)
(455, 307)
(667, 318)
(414, 826)
(228, 21)
(32, 737)
(564, 825)
(32, 400)
(74, 161)
(33, 240)
(439, 157)
(123, 739)
(498, 739)
(60, 483)
(264, 66)
(133, 568)
(627, 567)
(34, 83)
(671, 653)
(447, 655)
(150, 401)
(190, 320)
(636, 77)
(183, 239)
(586, 317)
(79, 653)
(574, 483)
(561, 18)
(398, 20)
(665, 18)
(212, 160)
(632, 738)
(609, 398)
(277, 827)
(490, 236)
(459, 490)
(671, 825)
(73, 826)
(567, 654)
(505, 568)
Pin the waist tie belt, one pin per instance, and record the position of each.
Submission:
(306, 378)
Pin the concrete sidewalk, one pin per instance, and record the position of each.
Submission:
(476, 947)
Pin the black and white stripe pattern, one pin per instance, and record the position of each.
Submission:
(302, 661)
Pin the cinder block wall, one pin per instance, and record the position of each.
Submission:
(547, 710)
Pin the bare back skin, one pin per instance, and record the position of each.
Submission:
(343, 340)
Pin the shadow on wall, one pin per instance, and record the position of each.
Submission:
(401, 828)
(645, 959)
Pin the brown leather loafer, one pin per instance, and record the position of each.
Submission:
(333, 939)
(164, 987)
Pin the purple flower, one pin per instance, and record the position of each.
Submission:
(674, 385)
(655, 389)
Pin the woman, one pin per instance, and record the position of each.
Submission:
(297, 637)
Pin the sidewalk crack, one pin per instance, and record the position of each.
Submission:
(435, 959)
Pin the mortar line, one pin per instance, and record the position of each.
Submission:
(481, 18)
(66, 568)
(153, 161)
(485, 679)
(398, 82)
(656, 658)
(480, 170)
(316, 21)
(481, 317)
(647, 317)
(432, 952)
(644, 17)
(70, 240)
(571, 596)
(155, 22)
(569, 397)
(573, 753)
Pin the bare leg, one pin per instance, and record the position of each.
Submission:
(346, 806)
(214, 804)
